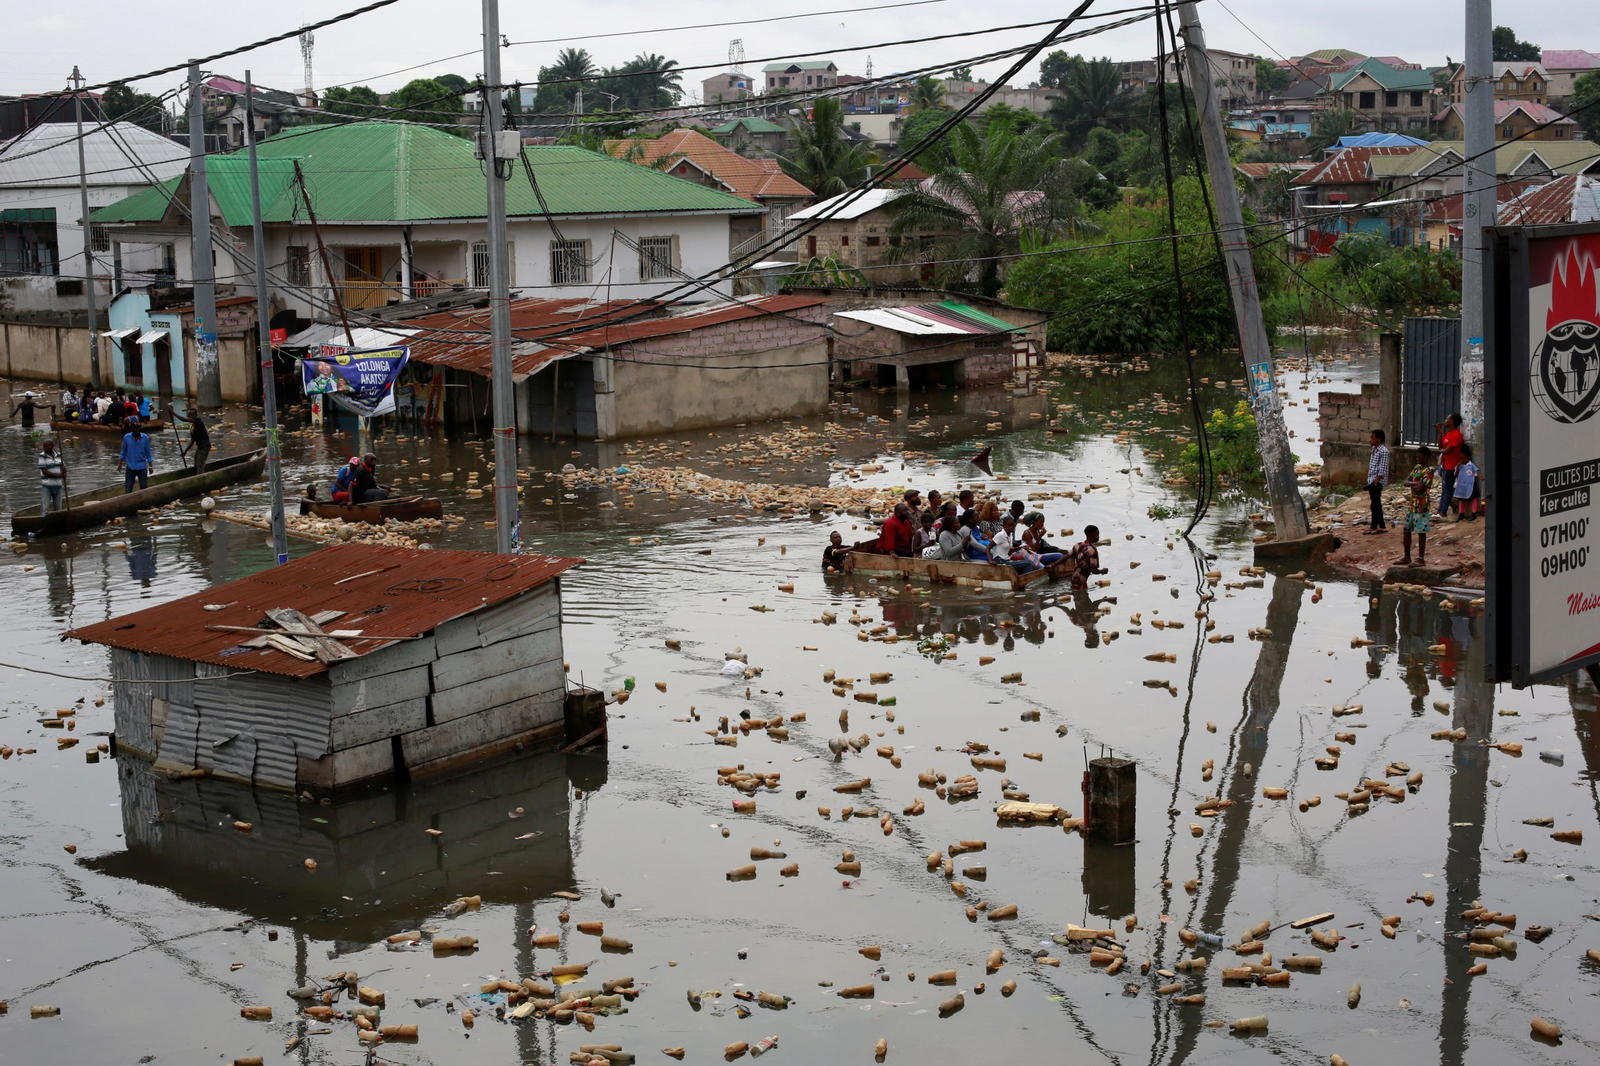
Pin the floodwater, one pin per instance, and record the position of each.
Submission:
(165, 920)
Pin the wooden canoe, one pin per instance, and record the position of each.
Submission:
(72, 425)
(103, 504)
(952, 571)
(400, 509)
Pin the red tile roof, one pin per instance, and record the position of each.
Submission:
(752, 179)
(543, 329)
(416, 592)
(1348, 167)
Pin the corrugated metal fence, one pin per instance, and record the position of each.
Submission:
(1431, 379)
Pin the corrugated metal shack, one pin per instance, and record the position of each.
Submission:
(429, 660)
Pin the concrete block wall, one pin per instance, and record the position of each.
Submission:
(1345, 421)
(986, 369)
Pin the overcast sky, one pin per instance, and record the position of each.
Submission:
(112, 38)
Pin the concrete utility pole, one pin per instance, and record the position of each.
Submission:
(269, 389)
(90, 298)
(499, 153)
(207, 375)
(1288, 509)
(1477, 211)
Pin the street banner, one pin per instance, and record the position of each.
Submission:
(358, 380)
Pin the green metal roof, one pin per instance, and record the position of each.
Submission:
(1391, 79)
(751, 123)
(387, 172)
(982, 318)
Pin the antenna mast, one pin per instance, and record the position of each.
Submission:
(307, 39)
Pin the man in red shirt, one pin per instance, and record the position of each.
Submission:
(897, 536)
(1450, 441)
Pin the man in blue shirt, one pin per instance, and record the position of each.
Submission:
(134, 459)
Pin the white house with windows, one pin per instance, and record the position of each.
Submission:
(41, 230)
(365, 214)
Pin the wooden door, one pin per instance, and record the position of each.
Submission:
(363, 277)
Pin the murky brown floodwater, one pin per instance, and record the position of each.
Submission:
(153, 934)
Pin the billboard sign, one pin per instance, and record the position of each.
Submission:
(1544, 535)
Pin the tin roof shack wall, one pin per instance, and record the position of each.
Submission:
(753, 368)
(1033, 322)
(481, 673)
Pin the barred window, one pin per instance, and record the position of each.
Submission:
(480, 264)
(569, 262)
(299, 264)
(655, 258)
(99, 238)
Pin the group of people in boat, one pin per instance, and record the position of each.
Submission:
(114, 408)
(356, 482)
(972, 530)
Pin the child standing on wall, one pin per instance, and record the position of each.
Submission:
(1419, 486)
(1469, 488)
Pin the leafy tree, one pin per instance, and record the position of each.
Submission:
(454, 83)
(825, 272)
(961, 73)
(823, 159)
(1123, 299)
(1018, 118)
(1094, 96)
(1329, 126)
(916, 128)
(1000, 186)
(1053, 69)
(1271, 79)
(357, 101)
(424, 100)
(927, 94)
(1443, 75)
(1367, 271)
(142, 109)
(1585, 104)
(1507, 49)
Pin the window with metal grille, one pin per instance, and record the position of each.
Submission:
(298, 258)
(655, 258)
(480, 264)
(100, 238)
(569, 262)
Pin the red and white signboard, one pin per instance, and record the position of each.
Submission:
(1544, 590)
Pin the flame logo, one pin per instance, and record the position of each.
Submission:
(1572, 290)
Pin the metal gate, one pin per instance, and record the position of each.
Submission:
(1430, 385)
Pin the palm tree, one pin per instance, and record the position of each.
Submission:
(560, 82)
(823, 159)
(1003, 186)
(927, 95)
(1329, 127)
(662, 86)
(572, 63)
(1093, 96)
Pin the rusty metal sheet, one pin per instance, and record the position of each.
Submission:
(414, 592)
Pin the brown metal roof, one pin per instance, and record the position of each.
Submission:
(1547, 205)
(536, 319)
(1348, 166)
(416, 592)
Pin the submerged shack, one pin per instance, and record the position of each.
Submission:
(354, 663)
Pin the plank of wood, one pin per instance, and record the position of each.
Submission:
(322, 618)
(324, 647)
(1315, 919)
(368, 573)
(337, 634)
(290, 646)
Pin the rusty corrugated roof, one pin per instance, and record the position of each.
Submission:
(1347, 167)
(1568, 198)
(532, 320)
(415, 592)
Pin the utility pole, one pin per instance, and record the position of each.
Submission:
(1477, 211)
(90, 298)
(1288, 509)
(269, 389)
(498, 152)
(208, 379)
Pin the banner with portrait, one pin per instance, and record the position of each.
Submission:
(358, 380)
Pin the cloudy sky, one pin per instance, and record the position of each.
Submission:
(111, 38)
